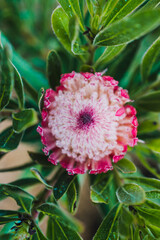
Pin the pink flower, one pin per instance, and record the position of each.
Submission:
(86, 123)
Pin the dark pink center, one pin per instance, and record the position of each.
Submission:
(85, 119)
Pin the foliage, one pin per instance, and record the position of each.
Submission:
(118, 35)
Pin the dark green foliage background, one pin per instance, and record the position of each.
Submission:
(121, 37)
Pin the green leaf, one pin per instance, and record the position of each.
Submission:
(105, 229)
(9, 140)
(121, 32)
(149, 102)
(4, 220)
(30, 90)
(56, 213)
(60, 25)
(109, 54)
(122, 9)
(64, 233)
(72, 195)
(6, 236)
(24, 119)
(74, 37)
(130, 194)
(38, 175)
(35, 78)
(53, 69)
(100, 190)
(6, 77)
(22, 198)
(150, 215)
(18, 85)
(72, 7)
(125, 221)
(50, 229)
(149, 58)
(154, 194)
(40, 235)
(40, 158)
(150, 5)
(24, 182)
(8, 213)
(148, 182)
(90, 7)
(62, 184)
(126, 166)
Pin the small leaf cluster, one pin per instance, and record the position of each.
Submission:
(117, 36)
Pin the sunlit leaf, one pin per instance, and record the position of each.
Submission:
(121, 32)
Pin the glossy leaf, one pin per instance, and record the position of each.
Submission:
(38, 175)
(130, 194)
(24, 119)
(121, 32)
(60, 25)
(150, 101)
(56, 213)
(126, 166)
(122, 9)
(109, 54)
(149, 59)
(8, 213)
(107, 225)
(53, 69)
(6, 77)
(100, 190)
(9, 140)
(18, 85)
(22, 198)
(62, 184)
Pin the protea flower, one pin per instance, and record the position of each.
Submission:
(87, 123)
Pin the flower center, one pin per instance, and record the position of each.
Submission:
(84, 120)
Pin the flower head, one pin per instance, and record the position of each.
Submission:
(87, 123)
